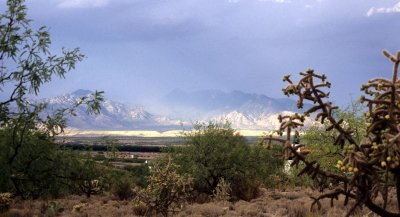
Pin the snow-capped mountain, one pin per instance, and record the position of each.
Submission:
(181, 109)
(210, 103)
(113, 115)
(243, 110)
(243, 121)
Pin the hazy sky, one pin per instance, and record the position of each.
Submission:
(140, 49)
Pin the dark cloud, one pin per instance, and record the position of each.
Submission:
(143, 48)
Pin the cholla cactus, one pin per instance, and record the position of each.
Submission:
(222, 191)
(166, 189)
(366, 166)
(5, 200)
(91, 187)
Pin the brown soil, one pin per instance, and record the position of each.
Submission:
(293, 203)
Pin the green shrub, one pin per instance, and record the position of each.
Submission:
(244, 188)
(88, 176)
(122, 188)
(37, 166)
(139, 174)
(216, 151)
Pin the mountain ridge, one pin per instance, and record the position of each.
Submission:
(244, 111)
(210, 103)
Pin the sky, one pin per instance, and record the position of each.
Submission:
(139, 50)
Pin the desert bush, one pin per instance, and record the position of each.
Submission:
(369, 166)
(52, 208)
(293, 180)
(139, 208)
(38, 168)
(122, 188)
(5, 200)
(87, 176)
(244, 188)
(166, 188)
(139, 174)
(217, 151)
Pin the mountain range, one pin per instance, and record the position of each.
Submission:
(180, 109)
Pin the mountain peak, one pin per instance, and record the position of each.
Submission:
(244, 110)
(81, 92)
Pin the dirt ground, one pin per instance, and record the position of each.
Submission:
(271, 203)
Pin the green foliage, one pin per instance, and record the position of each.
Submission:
(87, 176)
(166, 188)
(31, 163)
(321, 142)
(352, 119)
(216, 151)
(122, 188)
(293, 180)
(139, 174)
(112, 146)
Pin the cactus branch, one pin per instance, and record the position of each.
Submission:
(376, 158)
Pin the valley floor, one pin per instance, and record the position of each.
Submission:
(272, 203)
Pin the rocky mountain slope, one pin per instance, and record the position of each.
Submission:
(113, 115)
(243, 110)
(180, 109)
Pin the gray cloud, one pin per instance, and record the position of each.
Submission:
(139, 49)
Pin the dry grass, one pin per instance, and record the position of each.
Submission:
(291, 203)
(73, 206)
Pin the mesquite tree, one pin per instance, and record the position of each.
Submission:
(369, 170)
(30, 162)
